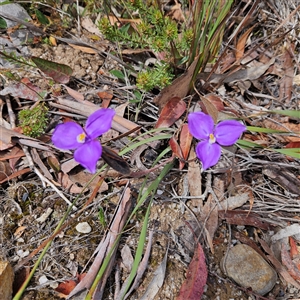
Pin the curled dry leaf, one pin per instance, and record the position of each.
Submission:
(288, 263)
(240, 47)
(178, 88)
(171, 112)
(211, 104)
(193, 286)
(175, 147)
(66, 287)
(185, 141)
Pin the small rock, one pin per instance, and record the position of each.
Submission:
(83, 227)
(247, 268)
(43, 279)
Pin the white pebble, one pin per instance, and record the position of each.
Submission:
(83, 227)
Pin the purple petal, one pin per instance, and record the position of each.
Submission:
(65, 135)
(200, 125)
(88, 155)
(99, 122)
(228, 132)
(208, 153)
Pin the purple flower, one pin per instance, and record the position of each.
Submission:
(225, 133)
(71, 135)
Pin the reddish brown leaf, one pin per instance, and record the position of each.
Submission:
(287, 261)
(214, 100)
(294, 250)
(284, 126)
(179, 87)
(175, 147)
(106, 96)
(196, 277)
(22, 90)
(115, 161)
(66, 287)
(171, 112)
(241, 217)
(185, 141)
(209, 107)
(16, 174)
(293, 145)
(59, 72)
(20, 276)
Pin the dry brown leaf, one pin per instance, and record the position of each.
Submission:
(6, 280)
(171, 112)
(6, 136)
(194, 180)
(16, 174)
(210, 214)
(288, 263)
(179, 87)
(36, 158)
(242, 217)
(75, 94)
(135, 51)
(240, 47)
(175, 148)
(83, 178)
(185, 141)
(251, 73)
(84, 49)
(210, 108)
(105, 96)
(286, 82)
(284, 126)
(64, 180)
(5, 170)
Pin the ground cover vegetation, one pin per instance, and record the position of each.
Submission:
(141, 141)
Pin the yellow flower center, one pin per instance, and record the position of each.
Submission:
(81, 138)
(212, 139)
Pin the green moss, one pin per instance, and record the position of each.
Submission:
(34, 121)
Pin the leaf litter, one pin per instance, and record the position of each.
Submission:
(257, 74)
